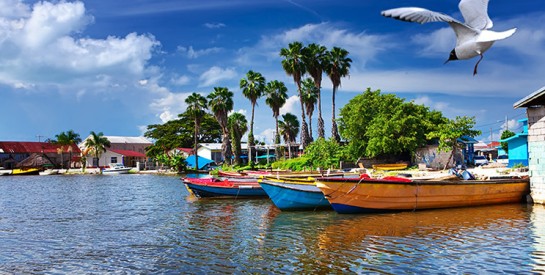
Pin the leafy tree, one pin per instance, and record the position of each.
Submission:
(324, 153)
(196, 108)
(294, 66)
(97, 144)
(449, 133)
(506, 134)
(309, 97)
(277, 94)
(314, 57)
(176, 161)
(238, 125)
(220, 102)
(289, 128)
(180, 133)
(253, 87)
(67, 139)
(337, 66)
(378, 125)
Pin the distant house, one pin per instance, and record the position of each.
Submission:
(517, 146)
(14, 152)
(213, 151)
(126, 150)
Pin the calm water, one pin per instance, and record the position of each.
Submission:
(149, 224)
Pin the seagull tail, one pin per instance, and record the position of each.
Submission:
(487, 36)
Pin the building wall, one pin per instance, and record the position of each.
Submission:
(536, 148)
(518, 151)
(431, 156)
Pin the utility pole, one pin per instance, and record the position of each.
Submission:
(39, 137)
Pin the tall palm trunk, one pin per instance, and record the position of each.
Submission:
(196, 140)
(251, 137)
(310, 137)
(226, 147)
(334, 130)
(321, 132)
(277, 140)
(304, 126)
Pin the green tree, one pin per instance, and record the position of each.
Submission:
(314, 57)
(238, 125)
(220, 102)
(289, 128)
(506, 134)
(277, 94)
(449, 133)
(67, 139)
(97, 144)
(324, 154)
(294, 66)
(196, 108)
(379, 125)
(337, 66)
(253, 87)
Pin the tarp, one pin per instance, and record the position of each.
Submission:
(266, 156)
(202, 161)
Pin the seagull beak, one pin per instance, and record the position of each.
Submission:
(446, 61)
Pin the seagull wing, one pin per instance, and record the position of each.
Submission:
(487, 36)
(418, 15)
(475, 13)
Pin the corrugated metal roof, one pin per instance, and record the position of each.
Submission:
(533, 99)
(117, 139)
(128, 153)
(10, 147)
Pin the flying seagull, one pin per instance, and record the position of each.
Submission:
(473, 37)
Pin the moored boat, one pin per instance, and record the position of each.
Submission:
(294, 193)
(390, 166)
(348, 195)
(224, 188)
(116, 168)
(25, 171)
(48, 172)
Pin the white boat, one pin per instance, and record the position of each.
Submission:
(48, 172)
(116, 168)
(4, 172)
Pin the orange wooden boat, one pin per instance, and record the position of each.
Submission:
(349, 195)
(390, 166)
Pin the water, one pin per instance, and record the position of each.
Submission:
(150, 224)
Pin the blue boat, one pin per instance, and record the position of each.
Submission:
(214, 188)
(290, 195)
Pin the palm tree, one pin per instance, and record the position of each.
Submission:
(220, 102)
(67, 139)
(277, 94)
(252, 88)
(238, 126)
(293, 65)
(310, 96)
(314, 57)
(196, 106)
(337, 67)
(97, 144)
(289, 129)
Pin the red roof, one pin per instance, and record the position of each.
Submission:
(188, 151)
(128, 153)
(20, 147)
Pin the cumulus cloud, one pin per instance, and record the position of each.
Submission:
(170, 105)
(215, 75)
(181, 80)
(39, 47)
(292, 105)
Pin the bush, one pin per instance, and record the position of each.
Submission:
(296, 164)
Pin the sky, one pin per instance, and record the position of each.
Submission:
(118, 66)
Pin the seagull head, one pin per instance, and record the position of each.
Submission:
(452, 56)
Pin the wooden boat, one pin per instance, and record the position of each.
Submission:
(390, 166)
(348, 195)
(25, 171)
(48, 172)
(294, 193)
(223, 188)
(5, 172)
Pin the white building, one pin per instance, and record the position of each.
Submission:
(126, 150)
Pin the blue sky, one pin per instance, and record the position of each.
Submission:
(117, 66)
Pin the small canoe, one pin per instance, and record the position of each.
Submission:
(367, 195)
(390, 166)
(224, 188)
(25, 171)
(295, 194)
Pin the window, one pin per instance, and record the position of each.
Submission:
(113, 160)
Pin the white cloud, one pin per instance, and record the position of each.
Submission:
(215, 75)
(240, 111)
(192, 54)
(292, 105)
(214, 25)
(181, 80)
(10, 9)
(170, 105)
(437, 43)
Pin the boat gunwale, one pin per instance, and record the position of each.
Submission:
(281, 185)
(422, 182)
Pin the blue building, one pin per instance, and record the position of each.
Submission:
(517, 146)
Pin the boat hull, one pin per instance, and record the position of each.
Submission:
(289, 196)
(240, 191)
(367, 196)
(116, 171)
(22, 172)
